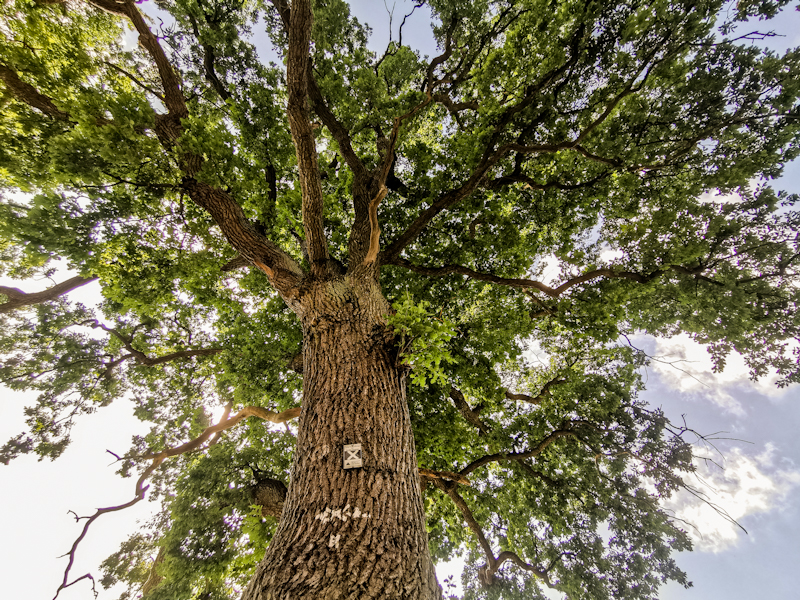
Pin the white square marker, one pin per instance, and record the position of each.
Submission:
(352, 456)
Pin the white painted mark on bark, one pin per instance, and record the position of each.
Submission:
(334, 541)
(342, 514)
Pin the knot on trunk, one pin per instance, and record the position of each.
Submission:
(269, 494)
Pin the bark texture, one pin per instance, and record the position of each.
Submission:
(356, 533)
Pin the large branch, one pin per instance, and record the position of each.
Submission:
(17, 298)
(297, 74)
(27, 94)
(284, 274)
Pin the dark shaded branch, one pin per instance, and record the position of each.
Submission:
(17, 298)
(463, 407)
(209, 59)
(545, 391)
(338, 131)
(211, 73)
(27, 94)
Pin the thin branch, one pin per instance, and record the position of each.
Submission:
(135, 80)
(502, 456)
(521, 283)
(140, 356)
(543, 393)
(248, 411)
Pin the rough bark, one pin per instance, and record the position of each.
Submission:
(356, 533)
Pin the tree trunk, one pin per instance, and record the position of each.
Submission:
(350, 533)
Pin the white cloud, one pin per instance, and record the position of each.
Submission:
(684, 365)
(746, 485)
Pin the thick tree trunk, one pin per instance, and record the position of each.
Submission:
(350, 533)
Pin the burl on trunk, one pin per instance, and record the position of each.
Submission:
(350, 533)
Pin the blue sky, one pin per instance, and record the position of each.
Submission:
(759, 486)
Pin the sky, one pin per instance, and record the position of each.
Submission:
(757, 480)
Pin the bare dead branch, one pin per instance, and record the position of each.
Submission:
(17, 298)
(444, 476)
(156, 460)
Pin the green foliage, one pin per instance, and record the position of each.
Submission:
(628, 151)
(422, 340)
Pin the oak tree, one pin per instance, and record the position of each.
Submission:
(440, 258)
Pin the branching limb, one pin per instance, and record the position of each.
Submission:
(495, 150)
(502, 456)
(553, 292)
(248, 411)
(493, 563)
(284, 274)
(545, 391)
(140, 356)
(17, 298)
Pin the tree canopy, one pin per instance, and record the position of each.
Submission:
(561, 176)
